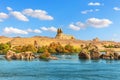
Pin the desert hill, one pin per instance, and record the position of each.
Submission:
(43, 41)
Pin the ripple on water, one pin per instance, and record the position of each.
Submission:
(63, 69)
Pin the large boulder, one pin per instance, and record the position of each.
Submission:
(9, 54)
(94, 53)
(116, 56)
(105, 56)
(84, 55)
(29, 55)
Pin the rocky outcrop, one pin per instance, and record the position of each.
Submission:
(95, 55)
(84, 55)
(9, 54)
(89, 51)
(21, 56)
(110, 54)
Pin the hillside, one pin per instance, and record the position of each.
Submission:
(43, 41)
(60, 37)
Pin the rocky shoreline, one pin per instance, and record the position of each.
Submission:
(92, 52)
(11, 55)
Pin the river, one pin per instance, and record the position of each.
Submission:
(66, 68)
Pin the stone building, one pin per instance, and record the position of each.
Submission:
(96, 39)
(61, 35)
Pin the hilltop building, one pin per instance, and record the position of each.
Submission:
(96, 39)
(61, 35)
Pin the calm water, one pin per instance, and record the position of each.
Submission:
(66, 68)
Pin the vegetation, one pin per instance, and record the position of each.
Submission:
(53, 48)
(57, 48)
(25, 48)
(4, 48)
(45, 55)
(112, 46)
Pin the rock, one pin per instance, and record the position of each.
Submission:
(104, 56)
(95, 55)
(9, 54)
(29, 55)
(119, 57)
(116, 55)
(84, 55)
(110, 55)
(16, 56)
(19, 56)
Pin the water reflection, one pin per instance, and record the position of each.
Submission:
(84, 60)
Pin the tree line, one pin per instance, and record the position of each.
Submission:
(54, 48)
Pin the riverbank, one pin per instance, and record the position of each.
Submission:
(46, 41)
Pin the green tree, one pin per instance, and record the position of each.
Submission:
(4, 48)
(42, 49)
(29, 48)
(69, 48)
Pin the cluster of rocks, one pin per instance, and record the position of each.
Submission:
(11, 55)
(94, 53)
(89, 54)
(110, 55)
(21, 56)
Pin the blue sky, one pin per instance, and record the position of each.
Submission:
(85, 19)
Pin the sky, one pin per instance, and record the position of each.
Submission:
(84, 19)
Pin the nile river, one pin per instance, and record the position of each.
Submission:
(66, 68)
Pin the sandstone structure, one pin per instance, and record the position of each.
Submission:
(61, 35)
(96, 39)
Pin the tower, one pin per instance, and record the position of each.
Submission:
(59, 31)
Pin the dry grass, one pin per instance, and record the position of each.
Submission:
(43, 41)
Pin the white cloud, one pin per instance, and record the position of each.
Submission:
(92, 22)
(44, 28)
(3, 16)
(86, 11)
(98, 23)
(9, 8)
(34, 31)
(94, 4)
(77, 26)
(52, 29)
(74, 27)
(116, 8)
(19, 16)
(40, 14)
(37, 31)
(89, 11)
(11, 30)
